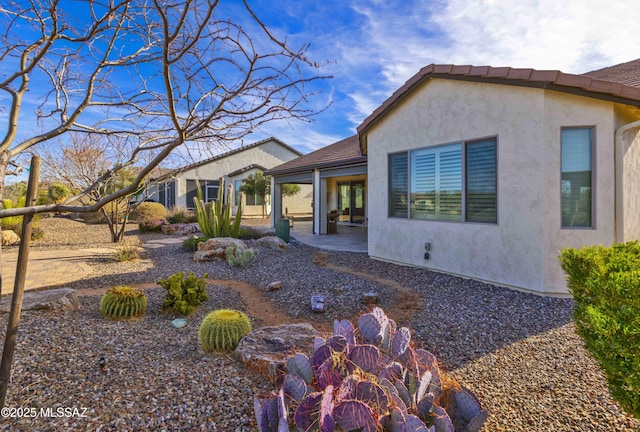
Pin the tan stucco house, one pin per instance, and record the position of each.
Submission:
(489, 172)
(179, 187)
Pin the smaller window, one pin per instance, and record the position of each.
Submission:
(237, 192)
(576, 184)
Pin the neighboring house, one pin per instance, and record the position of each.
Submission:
(489, 172)
(179, 187)
(338, 176)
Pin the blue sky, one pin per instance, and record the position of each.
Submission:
(373, 46)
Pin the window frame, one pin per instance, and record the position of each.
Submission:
(463, 149)
(592, 128)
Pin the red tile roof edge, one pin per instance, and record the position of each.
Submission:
(557, 80)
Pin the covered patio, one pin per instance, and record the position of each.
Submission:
(347, 239)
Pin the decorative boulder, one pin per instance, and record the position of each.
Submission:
(60, 299)
(215, 249)
(266, 349)
(370, 298)
(9, 238)
(274, 286)
(180, 229)
(272, 242)
(318, 303)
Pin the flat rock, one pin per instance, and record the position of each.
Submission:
(9, 238)
(266, 349)
(370, 298)
(318, 304)
(180, 229)
(274, 286)
(215, 249)
(273, 242)
(60, 299)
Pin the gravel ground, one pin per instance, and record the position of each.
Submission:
(518, 352)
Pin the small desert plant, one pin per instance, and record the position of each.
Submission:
(184, 294)
(180, 215)
(129, 251)
(123, 302)
(215, 218)
(151, 226)
(380, 383)
(191, 244)
(239, 255)
(222, 330)
(149, 211)
(605, 285)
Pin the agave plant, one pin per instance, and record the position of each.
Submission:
(381, 382)
(215, 218)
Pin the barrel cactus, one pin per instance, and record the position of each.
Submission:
(123, 302)
(222, 330)
(381, 383)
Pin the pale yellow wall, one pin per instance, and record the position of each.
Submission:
(269, 155)
(300, 203)
(521, 249)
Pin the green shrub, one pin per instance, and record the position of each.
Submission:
(58, 192)
(247, 233)
(148, 211)
(10, 222)
(184, 294)
(238, 255)
(222, 330)
(605, 284)
(181, 215)
(191, 244)
(123, 302)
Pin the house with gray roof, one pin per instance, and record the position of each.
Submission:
(179, 187)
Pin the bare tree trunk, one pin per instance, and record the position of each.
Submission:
(4, 163)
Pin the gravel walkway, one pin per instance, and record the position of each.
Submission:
(518, 352)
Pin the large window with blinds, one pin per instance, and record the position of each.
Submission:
(577, 167)
(453, 182)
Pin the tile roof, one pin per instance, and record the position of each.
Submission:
(624, 73)
(618, 87)
(344, 152)
(222, 156)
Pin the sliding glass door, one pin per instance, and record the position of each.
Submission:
(351, 202)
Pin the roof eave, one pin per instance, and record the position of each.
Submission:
(359, 160)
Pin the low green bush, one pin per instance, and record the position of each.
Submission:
(129, 252)
(191, 244)
(181, 215)
(184, 294)
(605, 284)
(148, 211)
(247, 233)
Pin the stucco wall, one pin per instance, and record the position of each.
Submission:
(521, 249)
(269, 155)
(631, 185)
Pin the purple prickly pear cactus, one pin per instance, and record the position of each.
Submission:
(283, 412)
(329, 375)
(400, 343)
(294, 387)
(307, 412)
(327, 422)
(269, 416)
(393, 371)
(465, 410)
(355, 415)
(366, 358)
(371, 328)
(337, 343)
(403, 392)
(373, 395)
(423, 409)
(441, 420)
(422, 387)
(345, 328)
(318, 342)
(300, 365)
(414, 424)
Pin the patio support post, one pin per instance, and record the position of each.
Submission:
(276, 202)
(317, 207)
